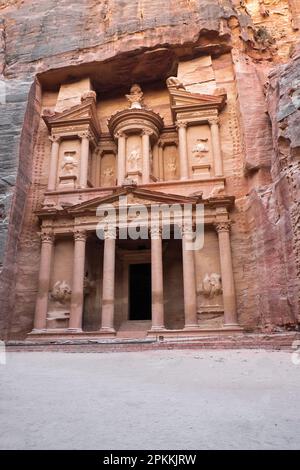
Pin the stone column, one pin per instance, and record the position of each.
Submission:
(77, 297)
(157, 279)
(183, 152)
(216, 146)
(53, 162)
(161, 161)
(121, 160)
(189, 281)
(41, 308)
(108, 289)
(146, 156)
(230, 314)
(84, 159)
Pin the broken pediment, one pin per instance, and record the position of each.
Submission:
(182, 101)
(80, 118)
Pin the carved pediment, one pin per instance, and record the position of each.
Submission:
(185, 101)
(134, 196)
(82, 117)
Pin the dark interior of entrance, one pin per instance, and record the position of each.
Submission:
(140, 291)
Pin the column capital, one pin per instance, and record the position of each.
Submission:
(214, 121)
(85, 134)
(181, 124)
(110, 232)
(222, 226)
(155, 232)
(80, 235)
(47, 236)
(147, 132)
(119, 134)
(55, 138)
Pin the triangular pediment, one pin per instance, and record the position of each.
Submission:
(134, 196)
(83, 113)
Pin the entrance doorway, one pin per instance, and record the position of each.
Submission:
(140, 291)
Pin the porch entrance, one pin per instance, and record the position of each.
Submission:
(140, 291)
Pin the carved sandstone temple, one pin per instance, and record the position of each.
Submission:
(154, 283)
(131, 110)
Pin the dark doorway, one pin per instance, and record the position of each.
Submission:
(140, 292)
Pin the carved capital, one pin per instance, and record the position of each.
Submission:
(80, 235)
(47, 236)
(147, 132)
(187, 230)
(110, 232)
(85, 135)
(214, 121)
(181, 124)
(155, 232)
(222, 226)
(119, 134)
(55, 138)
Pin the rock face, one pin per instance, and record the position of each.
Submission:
(58, 40)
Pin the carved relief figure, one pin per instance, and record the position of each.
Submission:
(108, 176)
(69, 163)
(134, 159)
(211, 285)
(61, 292)
(135, 97)
(200, 148)
(172, 167)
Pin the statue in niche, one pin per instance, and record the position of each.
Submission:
(61, 292)
(134, 159)
(69, 163)
(135, 97)
(211, 285)
(174, 82)
(200, 148)
(108, 176)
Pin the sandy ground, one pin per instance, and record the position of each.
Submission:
(150, 400)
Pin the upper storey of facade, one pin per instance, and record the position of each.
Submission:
(159, 135)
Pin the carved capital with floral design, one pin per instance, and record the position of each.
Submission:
(55, 138)
(181, 124)
(155, 232)
(119, 134)
(85, 135)
(222, 226)
(110, 232)
(80, 235)
(147, 132)
(47, 236)
(214, 121)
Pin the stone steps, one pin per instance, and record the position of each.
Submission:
(134, 329)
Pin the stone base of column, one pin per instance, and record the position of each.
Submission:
(105, 329)
(75, 330)
(192, 326)
(232, 325)
(158, 328)
(38, 332)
